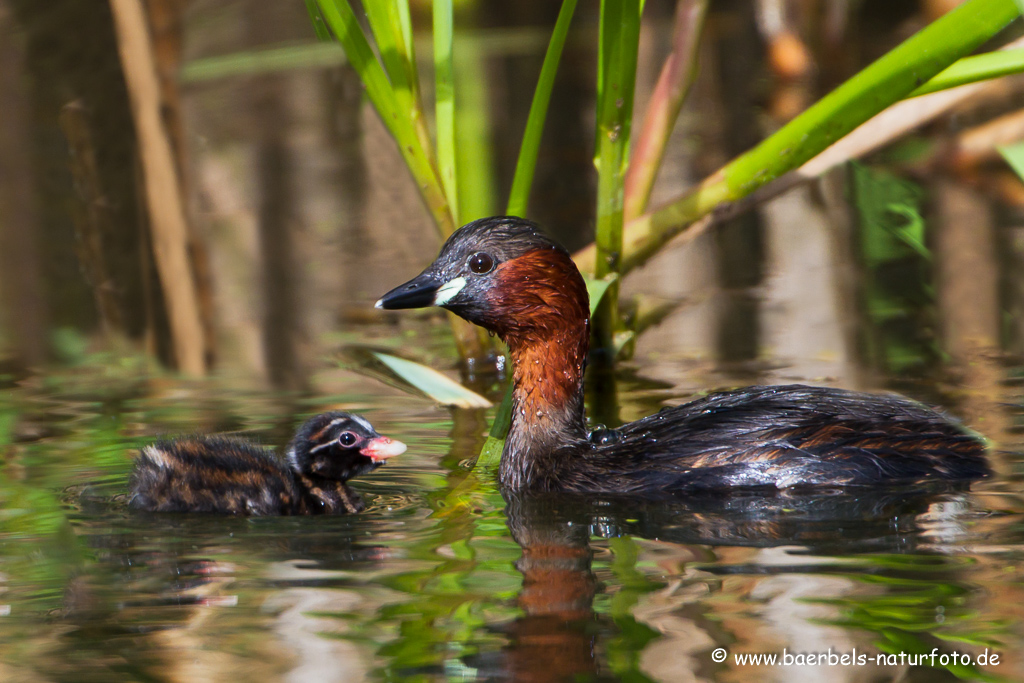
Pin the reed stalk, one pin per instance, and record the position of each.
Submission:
(519, 196)
(474, 153)
(166, 207)
(399, 120)
(618, 45)
(889, 79)
(670, 92)
(444, 102)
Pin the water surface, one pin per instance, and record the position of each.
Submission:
(429, 586)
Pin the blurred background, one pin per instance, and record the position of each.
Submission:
(299, 212)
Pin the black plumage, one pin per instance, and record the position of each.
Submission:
(234, 476)
(777, 436)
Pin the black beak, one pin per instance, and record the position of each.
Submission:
(416, 293)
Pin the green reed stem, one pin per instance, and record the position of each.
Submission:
(474, 153)
(397, 117)
(392, 30)
(444, 101)
(887, 80)
(490, 454)
(616, 76)
(323, 34)
(526, 165)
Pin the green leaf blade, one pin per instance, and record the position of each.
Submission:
(437, 386)
(401, 120)
(1014, 156)
(526, 165)
(618, 49)
(596, 289)
(396, 55)
(974, 69)
(885, 81)
(444, 101)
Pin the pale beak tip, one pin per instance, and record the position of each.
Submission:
(382, 448)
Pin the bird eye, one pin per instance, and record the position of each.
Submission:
(481, 262)
(347, 439)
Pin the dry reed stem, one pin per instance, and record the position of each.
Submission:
(674, 82)
(163, 193)
(92, 217)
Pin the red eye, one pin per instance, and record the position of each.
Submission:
(481, 263)
(348, 439)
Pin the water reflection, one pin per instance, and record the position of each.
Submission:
(182, 597)
(816, 589)
(444, 578)
(555, 638)
(523, 588)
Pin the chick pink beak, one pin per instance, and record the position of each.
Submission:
(382, 448)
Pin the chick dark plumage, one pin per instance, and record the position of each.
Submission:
(237, 477)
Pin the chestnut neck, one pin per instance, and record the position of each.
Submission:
(541, 311)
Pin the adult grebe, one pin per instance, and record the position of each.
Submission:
(505, 275)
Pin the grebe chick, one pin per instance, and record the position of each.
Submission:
(237, 477)
(505, 275)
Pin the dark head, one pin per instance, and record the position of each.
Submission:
(503, 274)
(339, 446)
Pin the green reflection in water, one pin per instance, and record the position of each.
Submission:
(915, 614)
(442, 587)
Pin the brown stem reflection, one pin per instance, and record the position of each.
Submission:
(92, 217)
(969, 307)
(283, 329)
(554, 639)
(21, 282)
